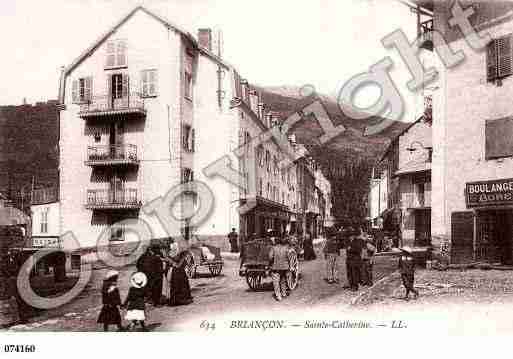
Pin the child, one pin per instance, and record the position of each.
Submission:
(331, 253)
(407, 269)
(135, 300)
(111, 301)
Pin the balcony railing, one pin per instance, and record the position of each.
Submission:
(112, 155)
(44, 195)
(113, 199)
(425, 32)
(418, 200)
(106, 105)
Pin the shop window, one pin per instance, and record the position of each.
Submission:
(499, 138)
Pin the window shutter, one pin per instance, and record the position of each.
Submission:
(125, 88)
(491, 60)
(499, 138)
(121, 53)
(152, 82)
(237, 86)
(109, 91)
(504, 56)
(74, 92)
(111, 54)
(193, 140)
(88, 88)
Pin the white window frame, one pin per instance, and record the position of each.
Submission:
(116, 49)
(149, 83)
(44, 221)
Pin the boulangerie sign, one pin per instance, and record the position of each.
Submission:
(489, 193)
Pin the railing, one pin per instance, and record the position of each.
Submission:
(44, 195)
(125, 153)
(418, 199)
(123, 198)
(106, 104)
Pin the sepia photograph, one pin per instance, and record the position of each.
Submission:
(218, 166)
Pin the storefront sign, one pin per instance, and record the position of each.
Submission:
(489, 193)
(45, 242)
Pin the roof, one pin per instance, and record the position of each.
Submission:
(107, 34)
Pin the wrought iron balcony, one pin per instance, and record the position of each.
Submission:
(113, 199)
(425, 32)
(106, 105)
(111, 155)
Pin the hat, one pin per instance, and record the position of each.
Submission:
(173, 250)
(406, 249)
(111, 274)
(138, 280)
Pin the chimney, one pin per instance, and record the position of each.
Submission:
(205, 38)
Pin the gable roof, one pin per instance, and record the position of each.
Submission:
(108, 33)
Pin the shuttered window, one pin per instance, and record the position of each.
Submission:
(82, 90)
(499, 63)
(116, 54)
(499, 138)
(149, 83)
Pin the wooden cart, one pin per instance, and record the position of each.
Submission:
(255, 264)
(197, 258)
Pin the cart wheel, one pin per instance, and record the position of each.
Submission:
(190, 267)
(254, 281)
(293, 273)
(215, 269)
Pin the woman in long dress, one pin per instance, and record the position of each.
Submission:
(179, 287)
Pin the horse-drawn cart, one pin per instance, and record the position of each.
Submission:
(256, 265)
(204, 256)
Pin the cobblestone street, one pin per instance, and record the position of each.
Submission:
(213, 297)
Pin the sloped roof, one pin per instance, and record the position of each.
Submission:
(415, 166)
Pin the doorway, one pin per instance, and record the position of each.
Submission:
(494, 236)
(422, 227)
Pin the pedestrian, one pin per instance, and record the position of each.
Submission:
(354, 259)
(279, 264)
(309, 248)
(111, 300)
(331, 253)
(379, 237)
(407, 269)
(233, 239)
(156, 276)
(145, 265)
(368, 252)
(180, 289)
(135, 301)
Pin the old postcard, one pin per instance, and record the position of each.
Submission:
(255, 167)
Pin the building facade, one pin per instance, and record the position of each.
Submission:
(143, 117)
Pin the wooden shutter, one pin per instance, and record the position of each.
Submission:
(462, 236)
(491, 60)
(111, 54)
(74, 92)
(125, 86)
(88, 81)
(499, 138)
(237, 86)
(121, 53)
(193, 140)
(504, 63)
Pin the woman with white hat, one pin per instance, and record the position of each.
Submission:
(180, 289)
(134, 301)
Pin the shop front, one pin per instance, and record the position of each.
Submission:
(262, 216)
(484, 233)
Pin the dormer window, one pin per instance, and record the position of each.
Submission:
(116, 54)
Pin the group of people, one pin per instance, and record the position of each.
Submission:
(359, 256)
(360, 251)
(159, 278)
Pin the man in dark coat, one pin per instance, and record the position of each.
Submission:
(156, 277)
(354, 259)
(233, 239)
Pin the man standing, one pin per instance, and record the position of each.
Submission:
(156, 276)
(279, 263)
(367, 261)
(233, 239)
(354, 259)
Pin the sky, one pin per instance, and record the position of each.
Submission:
(287, 42)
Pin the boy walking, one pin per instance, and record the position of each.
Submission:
(407, 270)
(331, 253)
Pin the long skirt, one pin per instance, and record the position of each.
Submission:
(180, 291)
(109, 315)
